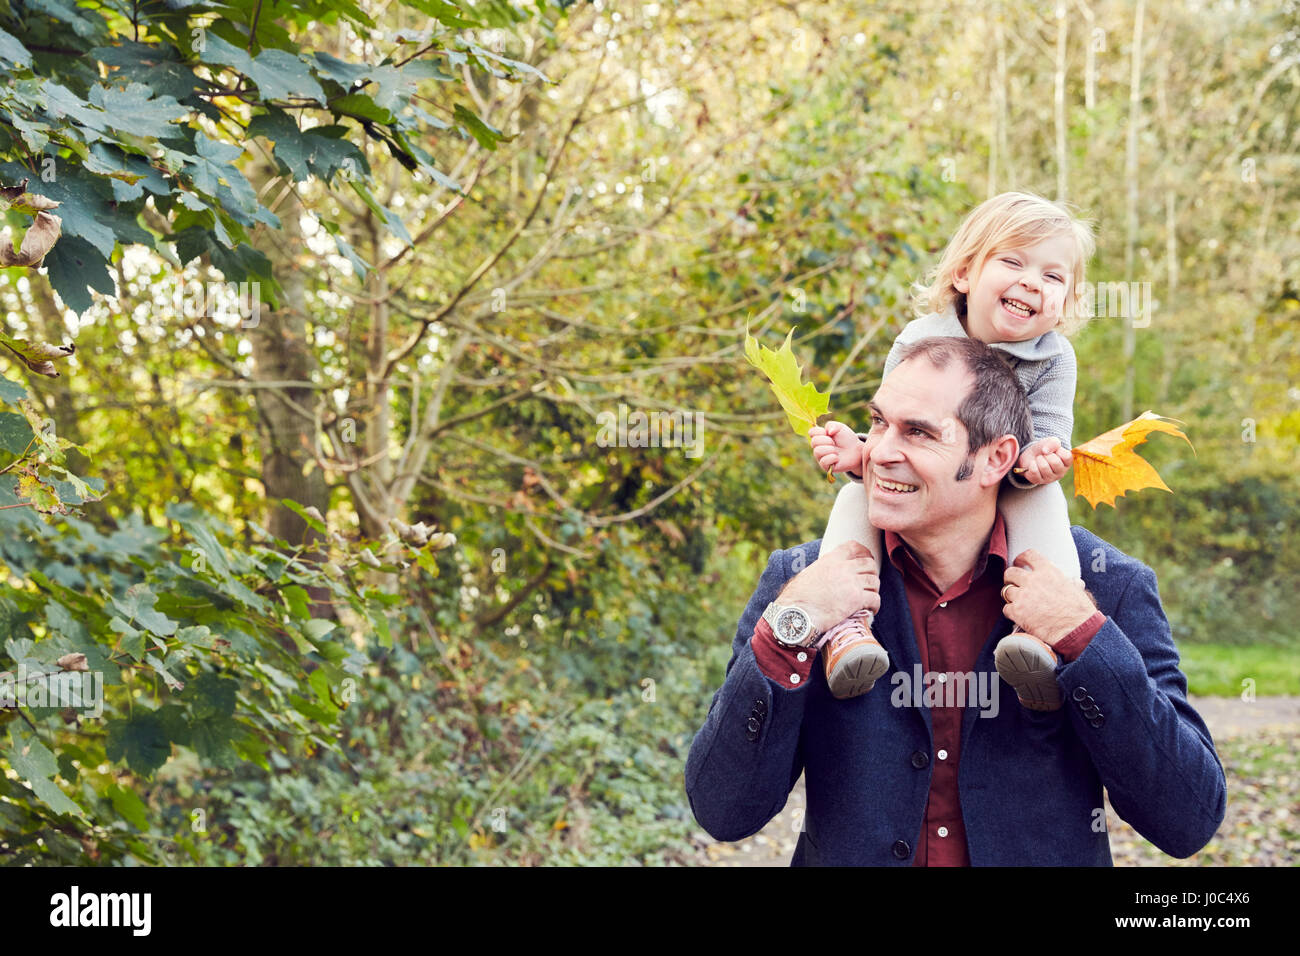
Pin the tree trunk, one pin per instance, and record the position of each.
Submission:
(1062, 159)
(1131, 178)
(281, 353)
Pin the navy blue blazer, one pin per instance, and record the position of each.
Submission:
(1030, 783)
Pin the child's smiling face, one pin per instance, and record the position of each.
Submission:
(1019, 291)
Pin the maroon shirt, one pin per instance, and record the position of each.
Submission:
(951, 629)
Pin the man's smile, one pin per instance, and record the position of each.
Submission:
(895, 487)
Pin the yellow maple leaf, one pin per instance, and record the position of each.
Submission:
(802, 402)
(1107, 466)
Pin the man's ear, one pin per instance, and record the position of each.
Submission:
(1002, 456)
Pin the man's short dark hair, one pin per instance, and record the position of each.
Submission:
(996, 404)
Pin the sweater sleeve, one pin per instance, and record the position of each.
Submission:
(1051, 403)
(1051, 398)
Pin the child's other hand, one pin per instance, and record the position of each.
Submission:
(1044, 461)
(836, 447)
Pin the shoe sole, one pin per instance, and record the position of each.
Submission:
(1022, 663)
(857, 671)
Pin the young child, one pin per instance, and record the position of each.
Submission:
(1009, 277)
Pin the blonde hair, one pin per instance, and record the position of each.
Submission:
(1011, 218)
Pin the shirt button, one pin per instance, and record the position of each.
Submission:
(794, 678)
(943, 678)
(943, 604)
(943, 831)
(803, 656)
(942, 755)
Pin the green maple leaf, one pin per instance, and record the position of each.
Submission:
(802, 402)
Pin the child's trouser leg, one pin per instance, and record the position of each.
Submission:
(849, 521)
(852, 658)
(1036, 518)
(1039, 518)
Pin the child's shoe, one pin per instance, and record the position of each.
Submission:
(853, 659)
(1029, 666)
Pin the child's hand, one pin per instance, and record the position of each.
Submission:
(1044, 461)
(836, 447)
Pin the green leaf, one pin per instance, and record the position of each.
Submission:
(138, 604)
(161, 670)
(141, 740)
(13, 51)
(212, 696)
(317, 628)
(75, 267)
(34, 762)
(132, 641)
(128, 803)
(486, 135)
(15, 433)
(11, 392)
(390, 218)
(802, 402)
(137, 111)
(315, 523)
(361, 106)
(280, 74)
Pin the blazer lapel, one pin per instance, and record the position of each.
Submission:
(893, 629)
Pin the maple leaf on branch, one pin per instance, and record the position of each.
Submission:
(1107, 466)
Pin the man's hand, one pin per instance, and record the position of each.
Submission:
(839, 582)
(836, 447)
(1042, 600)
(1044, 461)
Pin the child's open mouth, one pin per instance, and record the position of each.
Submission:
(1017, 308)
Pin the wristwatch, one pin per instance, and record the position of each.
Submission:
(791, 625)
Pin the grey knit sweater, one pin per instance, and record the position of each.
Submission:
(1045, 366)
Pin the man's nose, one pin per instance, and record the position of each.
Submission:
(881, 448)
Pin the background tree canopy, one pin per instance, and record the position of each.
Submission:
(320, 494)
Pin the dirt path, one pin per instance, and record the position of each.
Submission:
(1227, 718)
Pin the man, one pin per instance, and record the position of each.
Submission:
(882, 769)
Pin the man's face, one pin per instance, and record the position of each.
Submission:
(916, 449)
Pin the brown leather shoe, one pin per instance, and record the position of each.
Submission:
(853, 659)
(1029, 666)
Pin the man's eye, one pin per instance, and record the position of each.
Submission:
(919, 432)
(876, 420)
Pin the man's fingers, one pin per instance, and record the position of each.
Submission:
(870, 581)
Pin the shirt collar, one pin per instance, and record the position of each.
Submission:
(900, 555)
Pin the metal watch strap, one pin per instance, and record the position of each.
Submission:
(773, 610)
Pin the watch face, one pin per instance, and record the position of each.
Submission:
(792, 626)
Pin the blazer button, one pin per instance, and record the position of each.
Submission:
(919, 759)
(1098, 720)
(901, 849)
(751, 734)
(753, 724)
(1080, 693)
(761, 706)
